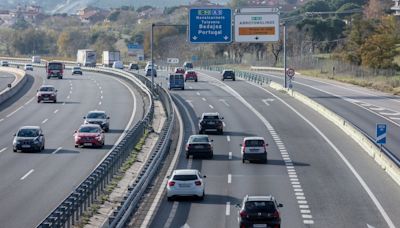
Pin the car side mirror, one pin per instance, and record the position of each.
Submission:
(75, 131)
(108, 117)
(102, 131)
(166, 78)
(84, 117)
(14, 134)
(222, 118)
(37, 90)
(280, 205)
(41, 135)
(56, 90)
(167, 177)
(204, 176)
(212, 140)
(266, 144)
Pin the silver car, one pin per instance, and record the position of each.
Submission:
(98, 117)
(29, 138)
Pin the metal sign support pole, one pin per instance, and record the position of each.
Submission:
(284, 55)
(152, 59)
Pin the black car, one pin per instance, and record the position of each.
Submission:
(258, 211)
(228, 74)
(133, 66)
(199, 146)
(211, 122)
(29, 138)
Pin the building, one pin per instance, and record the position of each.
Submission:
(396, 7)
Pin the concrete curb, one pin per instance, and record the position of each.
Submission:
(16, 85)
(373, 151)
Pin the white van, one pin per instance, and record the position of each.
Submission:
(118, 65)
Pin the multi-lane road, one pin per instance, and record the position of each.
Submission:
(33, 184)
(5, 79)
(323, 178)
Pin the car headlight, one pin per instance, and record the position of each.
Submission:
(98, 137)
(36, 141)
(85, 122)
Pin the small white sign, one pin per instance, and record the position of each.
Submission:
(172, 60)
(255, 28)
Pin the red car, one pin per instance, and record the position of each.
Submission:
(179, 70)
(190, 75)
(46, 93)
(89, 135)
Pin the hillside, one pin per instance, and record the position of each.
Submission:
(70, 6)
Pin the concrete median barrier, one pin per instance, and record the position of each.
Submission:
(16, 85)
(384, 159)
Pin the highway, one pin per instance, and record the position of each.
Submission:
(33, 184)
(362, 107)
(322, 177)
(5, 79)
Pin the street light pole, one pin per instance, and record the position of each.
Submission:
(152, 59)
(284, 55)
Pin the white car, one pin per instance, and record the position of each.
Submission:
(185, 182)
(254, 149)
(28, 67)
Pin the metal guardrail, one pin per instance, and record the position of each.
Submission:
(261, 79)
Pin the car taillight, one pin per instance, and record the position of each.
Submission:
(209, 146)
(276, 214)
(198, 183)
(244, 147)
(171, 183)
(243, 214)
(188, 146)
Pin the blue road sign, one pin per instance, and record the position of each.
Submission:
(210, 25)
(381, 133)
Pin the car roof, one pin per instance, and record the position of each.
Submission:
(30, 127)
(210, 114)
(198, 136)
(90, 125)
(260, 198)
(185, 171)
(97, 111)
(254, 138)
(228, 70)
(42, 86)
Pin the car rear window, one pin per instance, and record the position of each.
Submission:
(260, 206)
(46, 89)
(181, 177)
(28, 133)
(254, 143)
(228, 73)
(89, 129)
(210, 117)
(200, 139)
(189, 65)
(96, 115)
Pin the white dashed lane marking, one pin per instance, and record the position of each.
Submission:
(204, 99)
(58, 149)
(100, 103)
(230, 155)
(44, 121)
(198, 94)
(2, 150)
(1, 120)
(228, 208)
(55, 111)
(229, 178)
(212, 107)
(228, 138)
(27, 174)
(14, 111)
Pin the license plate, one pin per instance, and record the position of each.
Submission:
(87, 144)
(211, 122)
(198, 147)
(45, 98)
(184, 185)
(259, 225)
(254, 150)
(26, 146)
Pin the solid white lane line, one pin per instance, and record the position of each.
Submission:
(55, 111)
(230, 155)
(395, 118)
(390, 113)
(27, 174)
(198, 94)
(212, 107)
(101, 91)
(228, 138)
(4, 149)
(228, 208)
(100, 103)
(14, 112)
(1, 120)
(204, 99)
(101, 97)
(58, 149)
(229, 178)
(63, 103)
(377, 108)
(44, 121)
(29, 101)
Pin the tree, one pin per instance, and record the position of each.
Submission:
(71, 40)
(374, 9)
(275, 49)
(317, 6)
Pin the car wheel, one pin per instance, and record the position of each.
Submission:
(243, 160)
(55, 101)
(234, 79)
(38, 101)
(211, 156)
(76, 145)
(187, 155)
(195, 80)
(15, 150)
(48, 77)
(183, 88)
(265, 161)
(107, 129)
(202, 197)
(221, 132)
(223, 79)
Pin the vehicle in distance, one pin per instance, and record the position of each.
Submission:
(149, 65)
(188, 65)
(98, 117)
(254, 149)
(89, 135)
(36, 59)
(191, 75)
(211, 121)
(179, 70)
(86, 57)
(228, 74)
(28, 67)
(259, 211)
(148, 72)
(109, 57)
(46, 93)
(76, 70)
(4, 63)
(118, 65)
(176, 81)
(199, 146)
(29, 138)
(185, 182)
(55, 69)
(133, 66)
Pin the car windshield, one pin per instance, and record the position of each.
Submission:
(47, 89)
(189, 65)
(89, 129)
(96, 115)
(228, 73)
(28, 65)
(28, 133)
(77, 68)
(199, 139)
(254, 143)
(55, 66)
(210, 117)
(182, 177)
(260, 206)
